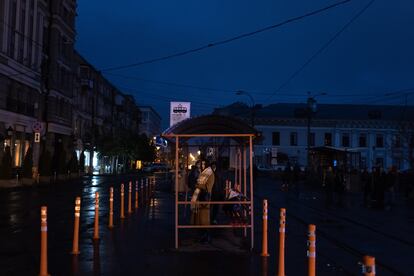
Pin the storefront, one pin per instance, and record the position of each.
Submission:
(19, 140)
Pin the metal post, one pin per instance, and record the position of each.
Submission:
(311, 250)
(251, 193)
(282, 229)
(264, 235)
(176, 190)
(245, 183)
(368, 268)
(111, 208)
(43, 241)
(245, 170)
(235, 167)
(75, 244)
(240, 170)
(308, 133)
(96, 223)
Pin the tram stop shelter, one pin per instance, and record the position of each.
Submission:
(224, 140)
(326, 156)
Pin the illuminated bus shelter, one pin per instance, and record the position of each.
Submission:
(217, 132)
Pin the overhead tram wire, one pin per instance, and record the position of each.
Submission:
(228, 40)
(254, 91)
(365, 98)
(160, 97)
(169, 83)
(323, 48)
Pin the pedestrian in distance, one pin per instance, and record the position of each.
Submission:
(390, 186)
(287, 177)
(339, 186)
(366, 187)
(329, 186)
(296, 179)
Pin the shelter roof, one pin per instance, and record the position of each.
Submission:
(211, 124)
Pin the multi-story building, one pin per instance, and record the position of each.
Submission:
(381, 135)
(150, 121)
(100, 110)
(47, 87)
(128, 115)
(59, 76)
(23, 28)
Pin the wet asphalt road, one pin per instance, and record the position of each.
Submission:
(142, 244)
(20, 223)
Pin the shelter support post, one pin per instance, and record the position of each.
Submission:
(177, 141)
(251, 192)
(244, 181)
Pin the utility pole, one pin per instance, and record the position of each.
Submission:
(311, 109)
(45, 70)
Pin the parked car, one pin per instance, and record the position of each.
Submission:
(264, 168)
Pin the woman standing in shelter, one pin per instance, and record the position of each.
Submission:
(200, 213)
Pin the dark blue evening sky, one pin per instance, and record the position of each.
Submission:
(374, 56)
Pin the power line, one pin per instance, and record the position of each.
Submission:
(290, 95)
(324, 47)
(228, 40)
(163, 97)
(169, 83)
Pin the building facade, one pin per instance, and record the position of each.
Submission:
(23, 28)
(47, 87)
(381, 135)
(150, 121)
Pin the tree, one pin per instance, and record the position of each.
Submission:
(28, 164)
(6, 164)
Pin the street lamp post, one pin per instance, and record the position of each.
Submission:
(252, 106)
(311, 109)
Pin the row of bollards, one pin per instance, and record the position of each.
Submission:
(145, 198)
(368, 267)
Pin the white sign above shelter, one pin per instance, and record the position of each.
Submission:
(179, 111)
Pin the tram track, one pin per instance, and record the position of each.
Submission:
(336, 242)
(354, 222)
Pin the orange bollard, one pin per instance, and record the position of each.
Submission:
(130, 197)
(311, 250)
(152, 187)
(43, 241)
(136, 194)
(111, 208)
(142, 192)
(75, 246)
(96, 225)
(282, 228)
(264, 238)
(122, 201)
(146, 190)
(265, 266)
(368, 268)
